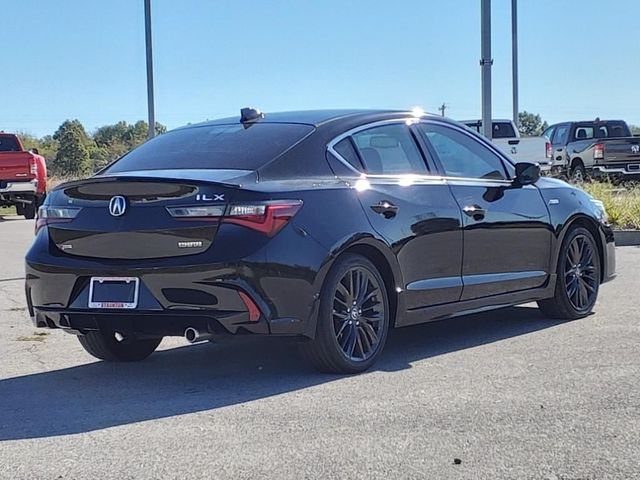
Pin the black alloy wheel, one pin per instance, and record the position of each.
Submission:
(580, 271)
(578, 277)
(358, 313)
(353, 318)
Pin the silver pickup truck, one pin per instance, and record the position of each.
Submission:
(596, 148)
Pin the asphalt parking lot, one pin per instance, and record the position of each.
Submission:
(510, 394)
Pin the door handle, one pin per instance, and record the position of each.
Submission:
(475, 211)
(385, 208)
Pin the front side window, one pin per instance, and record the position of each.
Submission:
(389, 150)
(461, 155)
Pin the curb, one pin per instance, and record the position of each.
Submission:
(627, 238)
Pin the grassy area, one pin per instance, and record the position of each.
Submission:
(621, 202)
(7, 211)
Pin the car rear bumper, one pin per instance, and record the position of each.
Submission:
(30, 186)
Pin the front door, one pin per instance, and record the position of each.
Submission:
(507, 237)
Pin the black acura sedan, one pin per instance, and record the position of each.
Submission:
(328, 226)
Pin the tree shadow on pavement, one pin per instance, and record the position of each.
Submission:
(203, 377)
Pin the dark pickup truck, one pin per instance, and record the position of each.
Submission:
(597, 148)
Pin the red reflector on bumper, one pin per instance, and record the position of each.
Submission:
(252, 308)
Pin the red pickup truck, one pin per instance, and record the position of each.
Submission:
(23, 176)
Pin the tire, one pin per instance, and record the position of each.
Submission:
(578, 277)
(20, 208)
(29, 210)
(105, 347)
(578, 173)
(350, 336)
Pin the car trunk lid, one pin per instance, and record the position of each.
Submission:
(127, 217)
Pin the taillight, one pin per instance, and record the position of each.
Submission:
(49, 215)
(598, 151)
(548, 149)
(267, 218)
(33, 166)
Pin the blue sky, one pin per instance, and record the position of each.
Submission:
(85, 58)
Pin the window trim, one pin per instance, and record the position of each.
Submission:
(431, 160)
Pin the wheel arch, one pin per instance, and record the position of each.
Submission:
(582, 220)
(378, 253)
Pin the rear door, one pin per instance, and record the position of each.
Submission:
(507, 237)
(410, 208)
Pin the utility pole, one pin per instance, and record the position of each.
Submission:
(442, 108)
(485, 66)
(150, 101)
(514, 58)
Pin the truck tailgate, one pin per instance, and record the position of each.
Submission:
(15, 166)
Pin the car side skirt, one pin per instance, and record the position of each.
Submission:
(449, 310)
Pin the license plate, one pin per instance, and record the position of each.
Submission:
(114, 292)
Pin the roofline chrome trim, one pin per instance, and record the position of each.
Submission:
(410, 120)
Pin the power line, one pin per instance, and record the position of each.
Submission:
(442, 108)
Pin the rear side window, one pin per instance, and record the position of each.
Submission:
(215, 146)
(389, 150)
(9, 144)
(347, 151)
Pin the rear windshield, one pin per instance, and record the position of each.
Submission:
(215, 146)
(500, 129)
(8, 143)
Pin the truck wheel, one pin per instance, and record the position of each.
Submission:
(20, 208)
(29, 210)
(578, 173)
(578, 278)
(353, 318)
(104, 346)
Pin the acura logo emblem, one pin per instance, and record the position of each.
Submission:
(117, 205)
(635, 148)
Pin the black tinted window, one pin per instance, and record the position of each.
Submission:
(218, 146)
(346, 150)
(503, 130)
(461, 155)
(9, 144)
(389, 150)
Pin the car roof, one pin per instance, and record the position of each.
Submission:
(318, 118)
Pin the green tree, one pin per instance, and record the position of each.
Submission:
(113, 141)
(531, 124)
(635, 129)
(72, 157)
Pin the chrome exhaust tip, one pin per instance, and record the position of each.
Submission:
(192, 335)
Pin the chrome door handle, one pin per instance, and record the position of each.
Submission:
(385, 208)
(475, 211)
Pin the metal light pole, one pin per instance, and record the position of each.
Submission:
(485, 66)
(514, 58)
(150, 102)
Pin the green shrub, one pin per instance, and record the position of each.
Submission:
(622, 203)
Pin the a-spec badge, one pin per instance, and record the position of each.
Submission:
(190, 244)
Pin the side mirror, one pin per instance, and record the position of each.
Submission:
(34, 151)
(526, 174)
